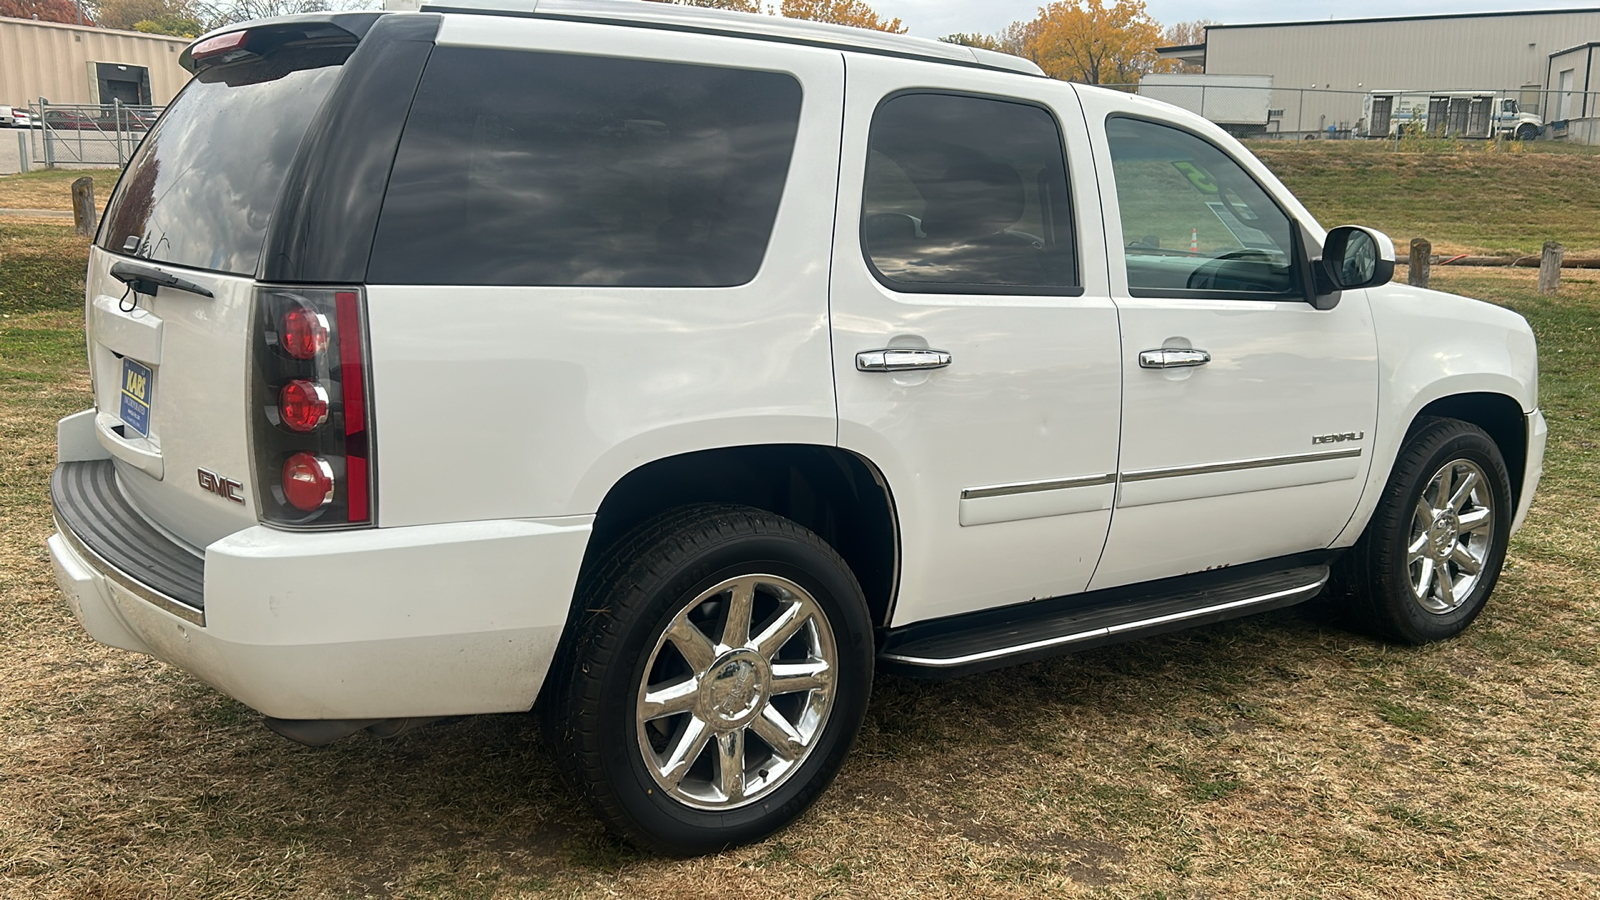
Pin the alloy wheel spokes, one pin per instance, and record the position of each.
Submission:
(1451, 536)
(736, 692)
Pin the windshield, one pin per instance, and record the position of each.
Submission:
(201, 189)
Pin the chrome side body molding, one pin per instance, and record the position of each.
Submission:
(1034, 487)
(1241, 465)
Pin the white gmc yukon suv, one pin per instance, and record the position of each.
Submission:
(678, 369)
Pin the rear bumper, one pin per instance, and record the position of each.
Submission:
(382, 623)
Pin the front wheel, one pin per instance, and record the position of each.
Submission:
(1527, 132)
(716, 681)
(1433, 550)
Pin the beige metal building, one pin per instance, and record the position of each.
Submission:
(1323, 70)
(78, 64)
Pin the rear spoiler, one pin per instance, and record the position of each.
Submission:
(245, 40)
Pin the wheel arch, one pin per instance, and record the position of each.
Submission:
(838, 494)
(1486, 400)
(1497, 414)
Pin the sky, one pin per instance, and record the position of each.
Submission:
(932, 18)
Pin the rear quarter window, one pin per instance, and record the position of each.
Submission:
(523, 168)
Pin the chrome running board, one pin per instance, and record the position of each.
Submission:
(990, 639)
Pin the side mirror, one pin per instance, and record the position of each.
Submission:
(1354, 257)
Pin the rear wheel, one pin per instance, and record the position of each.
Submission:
(716, 680)
(1433, 550)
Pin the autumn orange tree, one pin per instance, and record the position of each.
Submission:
(981, 41)
(1090, 41)
(841, 12)
(44, 10)
(750, 6)
(1186, 34)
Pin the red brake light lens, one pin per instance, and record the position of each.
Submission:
(303, 332)
(307, 482)
(311, 402)
(222, 43)
(302, 405)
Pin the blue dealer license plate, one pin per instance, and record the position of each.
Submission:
(135, 397)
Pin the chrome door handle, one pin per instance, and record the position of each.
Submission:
(1172, 359)
(900, 360)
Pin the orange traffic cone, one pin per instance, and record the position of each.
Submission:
(1194, 240)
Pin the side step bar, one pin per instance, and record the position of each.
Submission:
(990, 639)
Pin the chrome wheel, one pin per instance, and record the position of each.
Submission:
(736, 692)
(1451, 536)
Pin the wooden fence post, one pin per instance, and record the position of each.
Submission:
(1550, 267)
(83, 205)
(1421, 262)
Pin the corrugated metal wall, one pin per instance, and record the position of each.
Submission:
(1578, 103)
(1503, 52)
(57, 61)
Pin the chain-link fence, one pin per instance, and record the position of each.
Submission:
(1527, 113)
(88, 135)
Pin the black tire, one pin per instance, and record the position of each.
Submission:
(1378, 571)
(1526, 132)
(651, 578)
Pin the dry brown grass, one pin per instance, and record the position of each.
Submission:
(1280, 755)
(51, 189)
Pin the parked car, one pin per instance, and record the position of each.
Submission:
(15, 117)
(690, 367)
(73, 120)
(138, 119)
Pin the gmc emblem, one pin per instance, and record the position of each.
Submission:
(226, 488)
(1338, 438)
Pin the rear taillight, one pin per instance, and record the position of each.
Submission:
(308, 482)
(303, 405)
(222, 48)
(310, 421)
(303, 332)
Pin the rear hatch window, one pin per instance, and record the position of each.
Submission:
(201, 189)
(170, 364)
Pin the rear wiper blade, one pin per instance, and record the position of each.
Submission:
(145, 279)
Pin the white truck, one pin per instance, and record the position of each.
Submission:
(1239, 103)
(1468, 114)
(675, 381)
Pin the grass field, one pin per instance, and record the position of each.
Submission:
(1280, 755)
(1505, 203)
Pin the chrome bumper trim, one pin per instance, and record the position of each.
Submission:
(128, 582)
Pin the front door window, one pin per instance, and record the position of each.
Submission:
(1194, 220)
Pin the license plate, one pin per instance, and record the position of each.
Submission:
(136, 397)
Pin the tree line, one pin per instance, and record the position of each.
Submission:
(1091, 41)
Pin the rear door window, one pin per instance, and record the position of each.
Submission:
(527, 168)
(202, 187)
(967, 194)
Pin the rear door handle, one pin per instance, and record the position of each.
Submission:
(900, 360)
(1172, 359)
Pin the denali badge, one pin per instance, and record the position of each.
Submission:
(226, 488)
(1338, 438)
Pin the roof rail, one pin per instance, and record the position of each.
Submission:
(740, 24)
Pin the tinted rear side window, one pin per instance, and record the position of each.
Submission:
(202, 187)
(521, 168)
(967, 194)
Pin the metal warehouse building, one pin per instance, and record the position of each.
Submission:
(1323, 70)
(79, 64)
